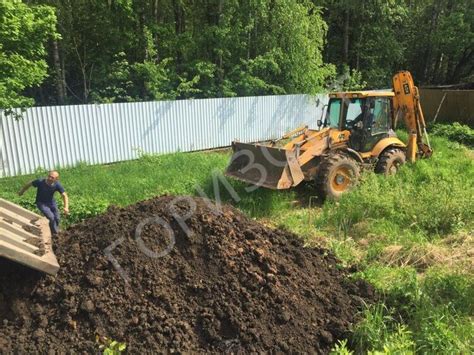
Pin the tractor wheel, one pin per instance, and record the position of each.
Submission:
(338, 173)
(390, 161)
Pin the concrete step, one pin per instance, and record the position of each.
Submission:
(17, 241)
(17, 230)
(25, 238)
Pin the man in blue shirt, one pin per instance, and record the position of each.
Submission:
(44, 198)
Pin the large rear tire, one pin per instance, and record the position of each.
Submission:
(390, 161)
(338, 173)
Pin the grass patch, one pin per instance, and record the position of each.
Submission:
(92, 189)
(429, 199)
(428, 313)
(455, 132)
(411, 235)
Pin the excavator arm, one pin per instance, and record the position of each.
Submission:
(407, 104)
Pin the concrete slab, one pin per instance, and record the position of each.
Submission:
(18, 210)
(32, 247)
(11, 217)
(26, 258)
(17, 230)
(19, 242)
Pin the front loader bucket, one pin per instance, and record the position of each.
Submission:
(25, 238)
(260, 165)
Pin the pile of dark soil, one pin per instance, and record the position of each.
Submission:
(230, 285)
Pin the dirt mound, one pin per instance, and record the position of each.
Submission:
(210, 281)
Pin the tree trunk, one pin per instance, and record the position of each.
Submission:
(63, 74)
(155, 10)
(345, 53)
(179, 29)
(84, 84)
(428, 70)
(60, 84)
(466, 60)
(83, 68)
(437, 73)
(220, 72)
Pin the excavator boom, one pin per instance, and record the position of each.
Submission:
(407, 104)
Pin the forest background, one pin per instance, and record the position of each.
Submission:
(101, 51)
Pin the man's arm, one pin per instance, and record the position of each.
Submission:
(24, 188)
(65, 203)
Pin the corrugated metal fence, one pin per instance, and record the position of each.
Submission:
(453, 105)
(49, 137)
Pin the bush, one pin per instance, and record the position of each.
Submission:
(456, 132)
(84, 208)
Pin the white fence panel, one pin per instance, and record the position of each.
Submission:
(59, 136)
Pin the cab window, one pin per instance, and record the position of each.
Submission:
(334, 111)
(380, 115)
(354, 112)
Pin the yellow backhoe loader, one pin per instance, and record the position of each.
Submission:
(357, 132)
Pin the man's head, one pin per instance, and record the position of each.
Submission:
(52, 177)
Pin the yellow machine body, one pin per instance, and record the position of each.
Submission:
(298, 155)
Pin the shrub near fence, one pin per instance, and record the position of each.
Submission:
(455, 132)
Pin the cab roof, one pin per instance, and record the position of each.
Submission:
(362, 94)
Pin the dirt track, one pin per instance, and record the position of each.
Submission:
(230, 285)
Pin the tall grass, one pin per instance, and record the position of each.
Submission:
(431, 198)
(431, 313)
(388, 226)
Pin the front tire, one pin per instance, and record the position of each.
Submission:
(390, 161)
(338, 173)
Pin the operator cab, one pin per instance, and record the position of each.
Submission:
(368, 118)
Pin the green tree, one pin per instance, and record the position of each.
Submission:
(434, 39)
(441, 51)
(367, 36)
(123, 50)
(24, 32)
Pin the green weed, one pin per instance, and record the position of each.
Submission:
(429, 314)
(341, 348)
(379, 333)
(345, 250)
(451, 289)
(456, 132)
(110, 347)
(439, 330)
